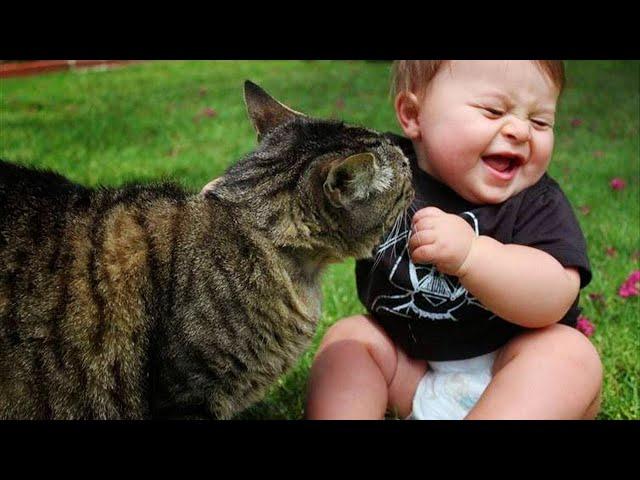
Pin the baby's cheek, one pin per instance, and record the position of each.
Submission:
(449, 143)
(538, 163)
(452, 148)
(543, 148)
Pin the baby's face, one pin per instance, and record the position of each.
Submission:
(485, 128)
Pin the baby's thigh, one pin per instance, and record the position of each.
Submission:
(409, 372)
(401, 372)
(545, 373)
(563, 348)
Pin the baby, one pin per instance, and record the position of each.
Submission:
(473, 303)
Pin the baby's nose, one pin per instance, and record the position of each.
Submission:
(516, 129)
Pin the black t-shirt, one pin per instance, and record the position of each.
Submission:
(431, 315)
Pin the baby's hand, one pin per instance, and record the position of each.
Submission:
(441, 239)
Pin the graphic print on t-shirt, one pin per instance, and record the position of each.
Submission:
(421, 290)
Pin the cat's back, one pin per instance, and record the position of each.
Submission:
(34, 205)
(25, 190)
(79, 268)
(18, 180)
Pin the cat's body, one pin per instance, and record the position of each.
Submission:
(136, 268)
(148, 301)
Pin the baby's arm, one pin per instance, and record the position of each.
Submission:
(521, 284)
(518, 283)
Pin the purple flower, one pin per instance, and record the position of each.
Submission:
(209, 112)
(631, 286)
(618, 183)
(585, 326)
(576, 122)
(596, 297)
(584, 209)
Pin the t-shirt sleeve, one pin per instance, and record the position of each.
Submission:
(546, 221)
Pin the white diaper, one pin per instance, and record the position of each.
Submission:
(450, 389)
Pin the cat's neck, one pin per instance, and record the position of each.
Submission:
(285, 227)
(276, 250)
(302, 264)
(274, 228)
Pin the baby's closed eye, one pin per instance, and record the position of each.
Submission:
(494, 111)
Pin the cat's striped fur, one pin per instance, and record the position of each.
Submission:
(147, 301)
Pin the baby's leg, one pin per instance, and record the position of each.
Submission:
(548, 373)
(358, 372)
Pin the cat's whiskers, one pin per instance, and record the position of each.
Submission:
(392, 240)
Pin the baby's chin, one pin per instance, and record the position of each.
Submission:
(486, 193)
(490, 195)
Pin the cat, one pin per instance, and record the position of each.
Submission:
(149, 301)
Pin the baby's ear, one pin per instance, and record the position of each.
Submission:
(265, 112)
(407, 108)
(354, 178)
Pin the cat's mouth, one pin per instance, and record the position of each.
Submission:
(407, 196)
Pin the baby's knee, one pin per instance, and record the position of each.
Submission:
(561, 348)
(576, 351)
(362, 333)
(358, 328)
(346, 328)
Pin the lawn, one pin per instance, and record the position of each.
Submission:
(185, 120)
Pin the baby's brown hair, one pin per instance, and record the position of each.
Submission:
(415, 75)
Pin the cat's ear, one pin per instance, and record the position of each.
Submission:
(265, 112)
(210, 187)
(354, 178)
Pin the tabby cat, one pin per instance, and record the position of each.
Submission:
(147, 301)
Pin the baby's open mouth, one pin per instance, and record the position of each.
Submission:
(503, 164)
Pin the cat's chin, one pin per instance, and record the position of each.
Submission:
(365, 250)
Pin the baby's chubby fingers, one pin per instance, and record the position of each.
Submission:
(426, 212)
(420, 238)
(424, 254)
(427, 223)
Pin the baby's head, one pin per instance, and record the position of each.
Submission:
(482, 127)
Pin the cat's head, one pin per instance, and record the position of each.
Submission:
(318, 184)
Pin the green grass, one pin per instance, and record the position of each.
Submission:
(146, 122)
